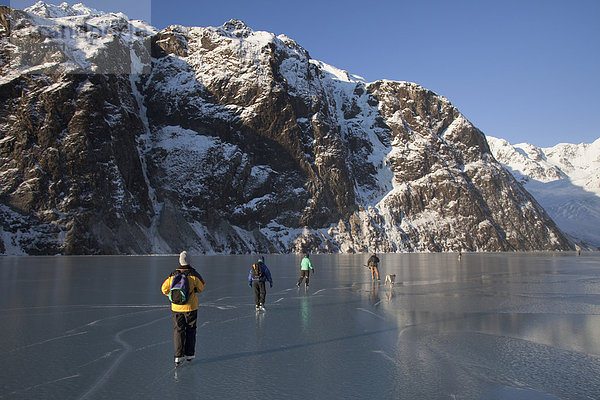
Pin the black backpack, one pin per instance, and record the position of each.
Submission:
(180, 288)
(257, 271)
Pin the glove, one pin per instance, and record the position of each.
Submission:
(250, 283)
(271, 284)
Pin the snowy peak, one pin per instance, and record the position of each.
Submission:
(579, 163)
(86, 23)
(76, 39)
(63, 10)
(525, 161)
(236, 28)
(564, 179)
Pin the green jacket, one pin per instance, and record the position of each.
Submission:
(306, 264)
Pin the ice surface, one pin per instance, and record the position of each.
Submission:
(491, 326)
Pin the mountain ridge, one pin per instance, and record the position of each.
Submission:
(565, 179)
(125, 139)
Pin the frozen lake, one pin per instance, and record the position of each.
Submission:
(492, 326)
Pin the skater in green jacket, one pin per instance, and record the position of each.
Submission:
(305, 267)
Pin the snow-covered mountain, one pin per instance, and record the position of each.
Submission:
(118, 138)
(564, 179)
(63, 10)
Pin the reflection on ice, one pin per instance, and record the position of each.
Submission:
(507, 392)
(490, 326)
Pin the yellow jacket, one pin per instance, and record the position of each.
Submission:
(196, 286)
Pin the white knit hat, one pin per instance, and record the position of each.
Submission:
(184, 259)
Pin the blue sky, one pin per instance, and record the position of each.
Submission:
(525, 71)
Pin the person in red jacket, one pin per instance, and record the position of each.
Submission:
(185, 315)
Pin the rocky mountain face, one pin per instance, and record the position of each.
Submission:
(564, 179)
(116, 138)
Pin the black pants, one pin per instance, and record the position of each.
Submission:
(184, 336)
(304, 273)
(260, 292)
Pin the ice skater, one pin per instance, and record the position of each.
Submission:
(181, 288)
(305, 267)
(372, 265)
(257, 278)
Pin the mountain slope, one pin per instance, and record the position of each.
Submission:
(120, 139)
(565, 179)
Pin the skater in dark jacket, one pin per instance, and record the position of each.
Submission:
(372, 264)
(257, 278)
(185, 315)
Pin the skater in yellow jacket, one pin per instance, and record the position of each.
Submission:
(181, 288)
